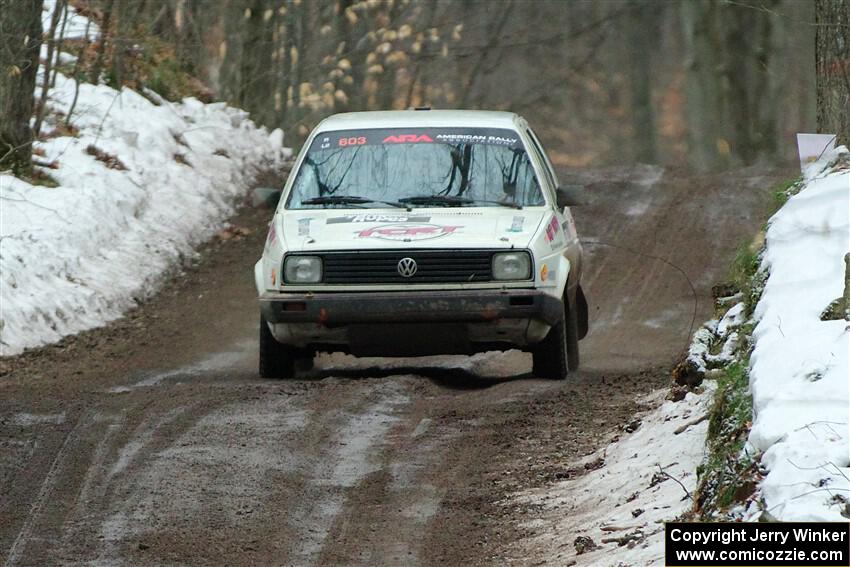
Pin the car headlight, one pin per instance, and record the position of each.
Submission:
(511, 266)
(302, 269)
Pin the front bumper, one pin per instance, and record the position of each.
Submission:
(453, 306)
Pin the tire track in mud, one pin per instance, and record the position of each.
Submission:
(186, 458)
(369, 531)
(172, 451)
(48, 484)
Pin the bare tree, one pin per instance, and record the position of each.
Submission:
(642, 35)
(832, 60)
(48, 64)
(104, 40)
(20, 40)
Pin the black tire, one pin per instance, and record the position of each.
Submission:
(572, 338)
(276, 360)
(556, 355)
(581, 312)
(550, 354)
(304, 360)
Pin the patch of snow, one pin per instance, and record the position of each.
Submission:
(30, 419)
(79, 255)
(733, 318)
(727, 352)
(75, 24)
(648, 175)
(698, 352)
(662, 319)
(630, 492)
(215, 361)
(799, 374)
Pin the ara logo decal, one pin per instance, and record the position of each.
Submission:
(407, 138)
(407, 232)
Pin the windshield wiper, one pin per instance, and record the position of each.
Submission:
(347, 200)
(501, 203)
(441, 200)
(451, 201)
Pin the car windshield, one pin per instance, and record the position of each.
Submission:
(425, 167)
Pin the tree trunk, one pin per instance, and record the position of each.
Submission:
(832, 62)
(20, 40)
(121, 40)
(286, 70)
(704, 94)
(94, 74)
(741, 27)
(59, 43)
(641, 38)
(48, 66)
(494, 32)
(257, 77)
(386, 89)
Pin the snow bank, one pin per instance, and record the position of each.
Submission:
(630, 497)
(799, 373)
(78, 255)
(76, 25)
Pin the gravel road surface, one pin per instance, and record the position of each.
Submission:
(153, 441)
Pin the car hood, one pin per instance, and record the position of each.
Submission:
(467, 227)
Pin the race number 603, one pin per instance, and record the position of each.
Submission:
(353, 141)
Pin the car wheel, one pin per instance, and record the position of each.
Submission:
(572, 338)
(304, 360)
(276, 360)
(550, 354)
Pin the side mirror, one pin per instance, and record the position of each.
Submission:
(265, 197)
(570, 196)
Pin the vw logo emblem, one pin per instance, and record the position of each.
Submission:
(406, 267)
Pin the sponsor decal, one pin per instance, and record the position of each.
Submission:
(516, 224)
(476, 139)
(304, 226)
(407, 139)
(407, 232)
(341, 139)
(371, 217)
(552, 229)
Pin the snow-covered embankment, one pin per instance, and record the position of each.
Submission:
(799, 370)
(140, 185)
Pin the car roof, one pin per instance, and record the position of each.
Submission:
(420, 118)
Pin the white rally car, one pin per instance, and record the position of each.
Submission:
(411, 233)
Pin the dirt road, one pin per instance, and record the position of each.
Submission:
(154, 442)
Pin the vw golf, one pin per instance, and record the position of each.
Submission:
(411, 233)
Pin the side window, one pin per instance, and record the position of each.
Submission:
(550, 171)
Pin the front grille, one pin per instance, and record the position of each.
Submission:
(432, 266)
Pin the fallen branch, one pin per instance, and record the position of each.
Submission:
(676, 480)
(623, 540)
(617, 528)
(682, 428)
